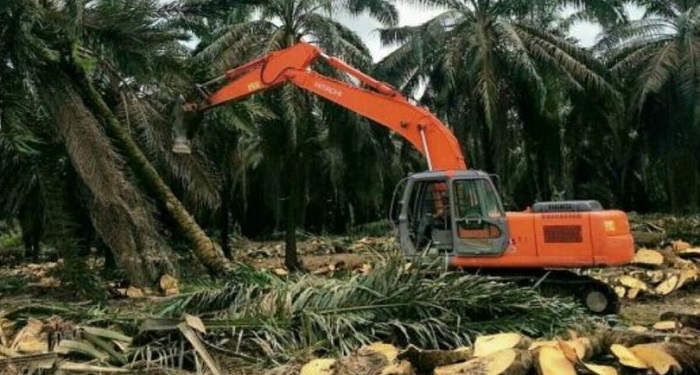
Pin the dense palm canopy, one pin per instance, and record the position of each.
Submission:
(76, 168)
(87, 92)
(507, 70)
(656, 58)
(72, 63)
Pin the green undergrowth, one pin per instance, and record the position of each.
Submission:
(11, 244)
(373, 229)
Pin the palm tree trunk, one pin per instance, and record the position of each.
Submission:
(682, 177)
(291, 259)
(205, 249)
(225, 217)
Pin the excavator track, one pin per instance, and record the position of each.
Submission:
(596, 296)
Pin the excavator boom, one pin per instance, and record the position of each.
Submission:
(377, 101)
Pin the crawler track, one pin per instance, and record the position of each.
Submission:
(594, 295)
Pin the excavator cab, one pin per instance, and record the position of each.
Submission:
(456, 213)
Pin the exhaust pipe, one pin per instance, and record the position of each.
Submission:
(181, 143)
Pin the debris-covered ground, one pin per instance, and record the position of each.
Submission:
(357, 310)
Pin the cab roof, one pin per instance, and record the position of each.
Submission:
(442, 174)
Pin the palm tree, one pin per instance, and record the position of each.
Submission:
(157, 48)
(76, 60)
(495, 71)
(20, 144)
(656, 60)
(290, 143)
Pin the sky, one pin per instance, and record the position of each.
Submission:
(409, 15)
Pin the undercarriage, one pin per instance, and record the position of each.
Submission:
(596, 296)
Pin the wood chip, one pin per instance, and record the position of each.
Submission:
(667, 325)
(667, 286)
(280, 272)
(400, 368)
(691, 253)
(390, 352)
(168, 282)
(632, 282)
(655, 356)
(320, 366)
(425, 361)
(552, 361)
(600, 369)
(485, 345)
(680, 245)
(648, 257)
(627, 357)
(135, 293)
(507, 361)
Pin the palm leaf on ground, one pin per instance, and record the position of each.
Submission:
(284, 316)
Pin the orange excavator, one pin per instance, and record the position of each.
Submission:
(450, 212)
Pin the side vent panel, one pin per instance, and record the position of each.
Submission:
(567, 206)
(562, 234)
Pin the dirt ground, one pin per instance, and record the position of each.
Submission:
(647, 310)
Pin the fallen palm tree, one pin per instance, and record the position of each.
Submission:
(402, 322)
(655, 272)
(636, 350)
(54, 346)
(260, 319)
(283, 317)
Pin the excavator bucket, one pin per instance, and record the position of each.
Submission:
(181, 143)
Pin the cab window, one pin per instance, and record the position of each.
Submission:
(476, 197)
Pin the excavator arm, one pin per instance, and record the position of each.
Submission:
(378, 101)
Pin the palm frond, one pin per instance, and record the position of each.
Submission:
(336, 39)
(634, 31)
(633, 57)
(121, 215)
(658, 8)
(606, 12)
(520, 56)
(236, 41)
(129, 35)
(658, 72)
(688, 69)
(401, 35)
(567, 57)
(198, 177)
(382, 10)
(392, 303)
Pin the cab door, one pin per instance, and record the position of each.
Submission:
(478, 218)
(423, 219)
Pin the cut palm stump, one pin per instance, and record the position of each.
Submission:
(655, 272)
(663, 348)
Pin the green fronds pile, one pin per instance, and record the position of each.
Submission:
(260, 320)
(284, 318)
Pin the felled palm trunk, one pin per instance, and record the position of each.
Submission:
(205, 249)
(225, 218)
(117, 211)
